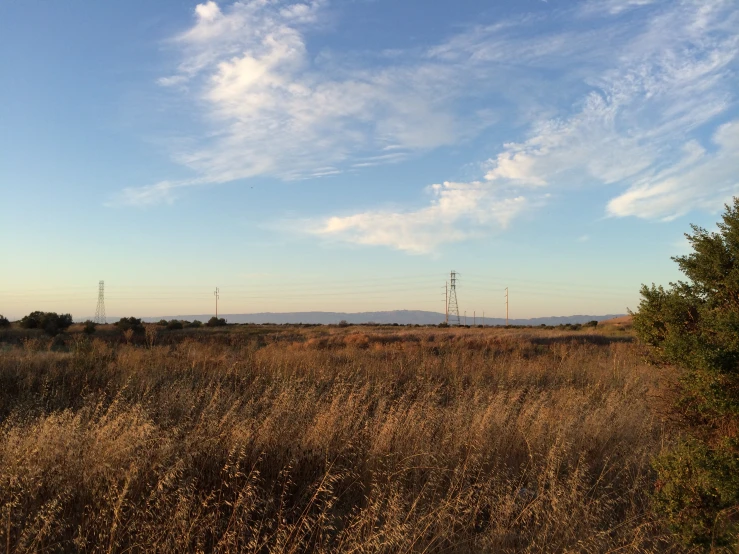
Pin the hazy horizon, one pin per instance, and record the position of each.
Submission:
(532, 300)
(401, 317)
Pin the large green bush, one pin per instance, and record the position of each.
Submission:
(174, 325)
(216, 322)
(51, 322)
(126, 323)
(694, 324)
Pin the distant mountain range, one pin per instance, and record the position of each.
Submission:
(403, 317)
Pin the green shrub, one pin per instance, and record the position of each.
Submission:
(174, 325)
(4, 322)
(194, 324)
(216, 322)
(126, 323)
(51, 322)
(89, 327)
(697, 491)
(694, 325)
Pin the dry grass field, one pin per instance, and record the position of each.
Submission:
(316, 439)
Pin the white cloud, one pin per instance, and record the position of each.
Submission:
(162, 192)
(669, 79)
(700, 180)
(602, 100)
(457, 211)
(651, 83)
(613, 7)
(208, 11)
(271, 108)
(581, 148)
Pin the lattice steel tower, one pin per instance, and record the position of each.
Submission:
(100, 310)
(453, 306)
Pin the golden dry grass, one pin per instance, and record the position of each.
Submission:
(329, 440)
(624, 321)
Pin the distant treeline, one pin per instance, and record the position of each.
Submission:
(53, 323)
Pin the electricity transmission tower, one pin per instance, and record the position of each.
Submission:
(453, 309)
(100, 310)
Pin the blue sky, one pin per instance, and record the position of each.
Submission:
(347, 155)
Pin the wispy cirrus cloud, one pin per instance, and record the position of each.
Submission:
(272, 108)
(456, 212)
(592, 97)
(671, 79)
(699, 180)
(613, 7)
(649, 86)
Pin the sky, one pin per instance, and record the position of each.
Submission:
(347, 155)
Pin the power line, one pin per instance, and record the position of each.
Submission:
(481, 280)
(388, 290)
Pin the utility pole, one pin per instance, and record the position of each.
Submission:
(474, 318)
(506, 306)
(217, 297)
(483, 318)
(446, 302)
(465, 317)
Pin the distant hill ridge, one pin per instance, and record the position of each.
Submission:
(403, 317)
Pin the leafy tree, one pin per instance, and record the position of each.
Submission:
(694, 324)
(163, 322)
(174, 325)
(194, 324)
(51, 322)
(216, 322)
(133, 323)
(89, 328)
(4, 322)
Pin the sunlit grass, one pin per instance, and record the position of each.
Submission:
(329, 440)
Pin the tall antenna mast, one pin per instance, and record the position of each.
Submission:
(217, 297)
(453, 308)
(100, 310)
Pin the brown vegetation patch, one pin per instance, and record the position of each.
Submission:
(343, 441)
